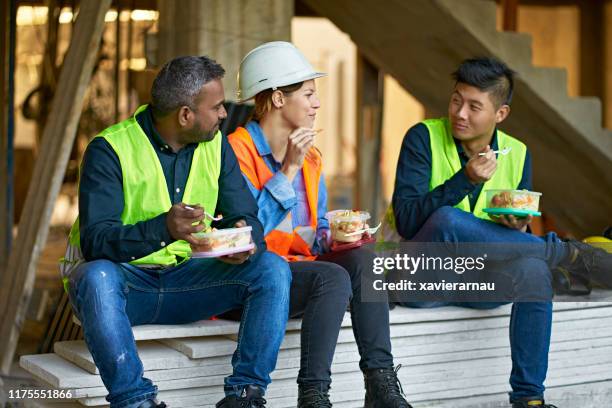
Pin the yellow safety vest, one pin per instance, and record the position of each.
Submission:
(445, 163)
(145, 191)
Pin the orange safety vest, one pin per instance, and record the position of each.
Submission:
(283, 240)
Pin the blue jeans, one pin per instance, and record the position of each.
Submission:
(110, 298)
(529, 268)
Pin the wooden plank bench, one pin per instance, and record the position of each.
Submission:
(451, 357)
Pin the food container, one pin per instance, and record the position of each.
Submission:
(343, 222)
(515, 202)
(223, 242)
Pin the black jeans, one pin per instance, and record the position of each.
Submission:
(320, 293)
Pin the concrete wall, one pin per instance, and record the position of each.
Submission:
(223, 29)
(332, 51)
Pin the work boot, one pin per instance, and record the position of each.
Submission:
(150, 403)
(532, 403)
(590, 263)
(313, 397)
(383, 389)
(250, 397)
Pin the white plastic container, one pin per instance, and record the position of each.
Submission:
(519, 203)
(344, 222)
(223, 242)
(516, 199)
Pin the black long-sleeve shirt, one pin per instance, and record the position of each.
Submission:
(101, 202)
(412, 201)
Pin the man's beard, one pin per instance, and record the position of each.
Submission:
(198, 135)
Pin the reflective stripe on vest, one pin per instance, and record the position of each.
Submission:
(291, 243)
(145, 191)
(445, 163)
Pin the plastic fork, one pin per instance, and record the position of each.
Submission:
(370, 231)
(218, 218)
(503, 151)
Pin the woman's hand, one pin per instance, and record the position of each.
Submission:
(300, 141)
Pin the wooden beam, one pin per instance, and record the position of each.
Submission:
(117, 67)
(592, 51)
(134, 4)
(510, 14)
(302, 9)
(370, 96)
(49, 70)
(57, 141)
(607, 64)
(8, 11)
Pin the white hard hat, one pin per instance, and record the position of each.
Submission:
(272, 65)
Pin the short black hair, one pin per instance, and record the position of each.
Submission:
(179, 81)
(489, 75)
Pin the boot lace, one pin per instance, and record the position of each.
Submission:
(391, 387)
(314, 398)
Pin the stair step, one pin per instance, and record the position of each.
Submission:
(549, 83)
(585, 112)
(514, 48)
(475, 14)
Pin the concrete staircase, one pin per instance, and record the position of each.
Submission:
(420, 42)
(451, 357)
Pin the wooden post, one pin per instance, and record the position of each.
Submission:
(592, 51)
(117, 67)
(49, 70)
(370, 96)
(607, 64)
(130, 39)
(226, 30)
(8, 12)
(57, 140)
(510, 14)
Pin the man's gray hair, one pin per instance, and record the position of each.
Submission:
(179, 82)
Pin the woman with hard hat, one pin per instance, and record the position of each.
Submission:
(283, 170)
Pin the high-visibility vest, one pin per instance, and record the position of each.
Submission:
(445, 163)
(284, 240)
(145, 192)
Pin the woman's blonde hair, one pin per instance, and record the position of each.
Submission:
(263, 100)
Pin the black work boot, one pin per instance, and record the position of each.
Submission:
(588, 263)
(313, 397)
(532, 403)
(383, 389)
(152, 404)
(250, 397)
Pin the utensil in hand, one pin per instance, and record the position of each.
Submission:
(218, 218)
(503, 151)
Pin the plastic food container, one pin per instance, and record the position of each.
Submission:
(343, 222)
(515, 202)
(223, 242)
